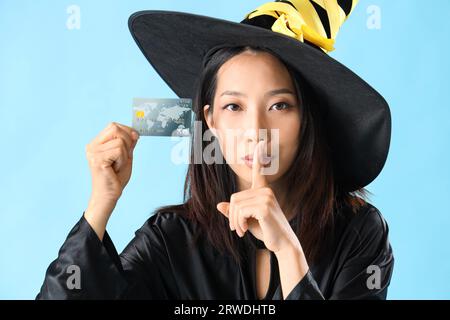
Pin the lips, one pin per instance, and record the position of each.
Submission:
(265, 159)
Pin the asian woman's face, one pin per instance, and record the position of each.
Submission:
(255, 91)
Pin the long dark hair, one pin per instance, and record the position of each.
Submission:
(314, 194)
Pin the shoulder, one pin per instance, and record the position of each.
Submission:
(368, 219)
(365, 230)
(168, 222)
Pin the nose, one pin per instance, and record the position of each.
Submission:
(255, 126)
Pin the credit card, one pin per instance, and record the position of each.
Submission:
(163, 117)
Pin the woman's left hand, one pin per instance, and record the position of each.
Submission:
(257, 210)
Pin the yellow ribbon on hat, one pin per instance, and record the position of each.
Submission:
(303, 21)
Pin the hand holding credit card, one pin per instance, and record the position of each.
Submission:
(162, 117)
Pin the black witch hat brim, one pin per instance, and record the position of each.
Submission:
(357, 117)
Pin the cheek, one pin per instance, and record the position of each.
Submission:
(225, 119)
(289, 141)
(289, 136)
(228, 142)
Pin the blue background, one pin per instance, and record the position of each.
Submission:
(60, 87)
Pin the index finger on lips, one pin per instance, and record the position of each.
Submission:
(258, 178)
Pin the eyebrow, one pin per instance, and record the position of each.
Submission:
(269, 93)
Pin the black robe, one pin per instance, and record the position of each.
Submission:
(158, 264)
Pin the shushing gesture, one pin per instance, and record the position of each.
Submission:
(257, 210)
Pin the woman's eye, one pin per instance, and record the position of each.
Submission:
(284, 104)
(235, 107)
(231, 104)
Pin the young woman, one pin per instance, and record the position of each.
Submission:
(305, 231)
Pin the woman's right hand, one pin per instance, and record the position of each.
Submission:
(110, 158)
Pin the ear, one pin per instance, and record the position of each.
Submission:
(207, 113)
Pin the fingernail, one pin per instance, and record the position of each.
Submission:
(265, 159)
